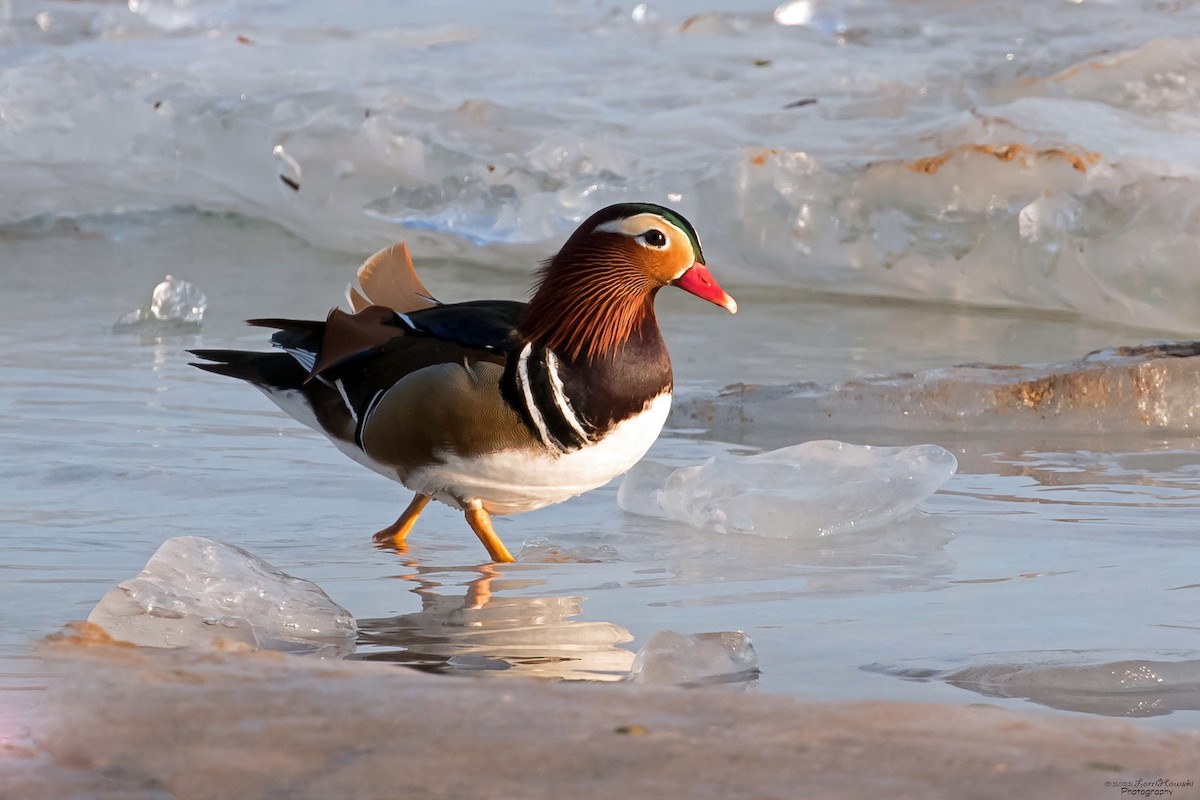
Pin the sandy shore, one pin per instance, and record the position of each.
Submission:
(138, 724)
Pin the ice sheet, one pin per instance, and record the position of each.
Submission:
(1151, 388)
(807, 490)
(196, 591)
(1011, 154)
(690, 660)
(1132, 687)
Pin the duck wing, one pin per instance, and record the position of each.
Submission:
(411, 383)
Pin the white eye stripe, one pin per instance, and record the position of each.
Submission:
(639, 225)
(615, 226)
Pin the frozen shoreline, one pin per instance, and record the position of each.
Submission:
(1024, 156)
(131, 723)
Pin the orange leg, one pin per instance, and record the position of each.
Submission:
(481, 522)
(398, 531)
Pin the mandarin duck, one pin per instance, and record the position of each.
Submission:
(493, 406)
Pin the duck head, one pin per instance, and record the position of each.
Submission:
(599, 289)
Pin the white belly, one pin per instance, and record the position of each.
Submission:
(509, 483)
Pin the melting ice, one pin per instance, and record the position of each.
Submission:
(194, 591)
(809, 489)
(174, 305)
(1014, 154)
(1153, 387)
(689, 660)
(1127, 688)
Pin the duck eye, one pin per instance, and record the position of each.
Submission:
(654, 238)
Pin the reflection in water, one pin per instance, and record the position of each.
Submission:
(483, 631)
(1131, 688)
(1156, 474)
(907, 555)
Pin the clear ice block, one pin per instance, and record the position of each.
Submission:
(174, 305)
(195, 591)
(687, 660)
(811, 489)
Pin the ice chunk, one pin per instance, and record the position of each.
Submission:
(1128, 688)
(642, 487)
(795, 12)
(194, 591)
(810, 489)
(175, 305)
(174, 299)
(1151, 387)
(540, 550)
(683, 660)
(1133, 688)
(468, 662)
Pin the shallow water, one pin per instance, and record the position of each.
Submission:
(1027, 557)
(1035, 157)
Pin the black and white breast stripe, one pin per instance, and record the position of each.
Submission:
(544, 405)
(361, 422)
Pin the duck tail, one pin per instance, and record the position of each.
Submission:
(270, 371)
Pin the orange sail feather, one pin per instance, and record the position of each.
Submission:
(388, 278)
